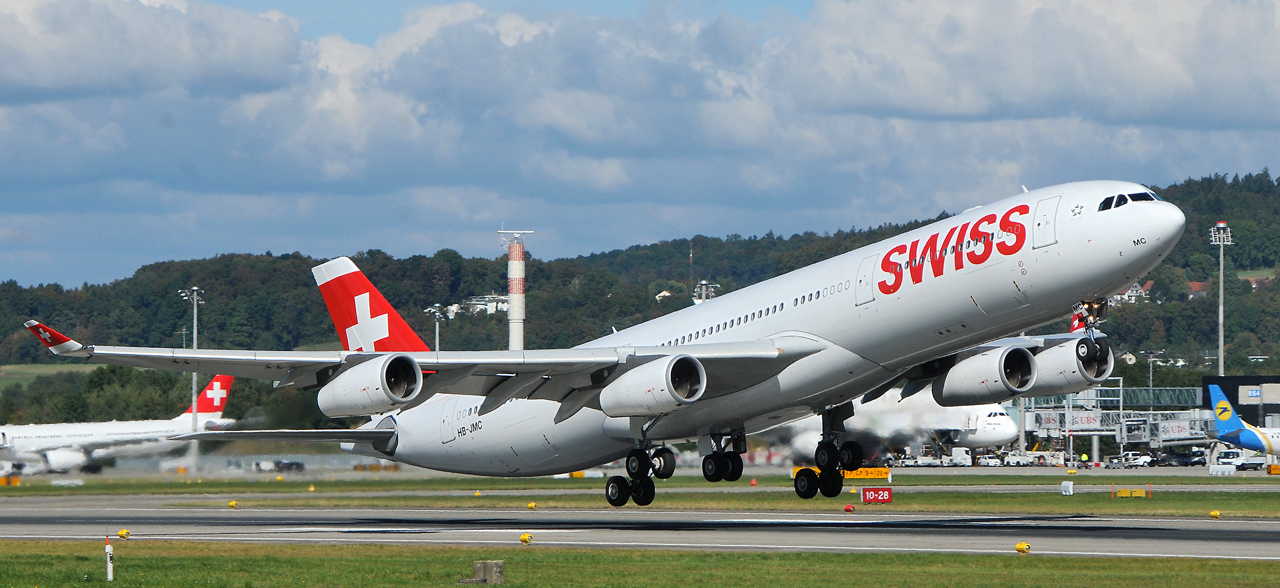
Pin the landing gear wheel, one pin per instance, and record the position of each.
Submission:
(831, 484)
(711, 469)
(664, 463)
(825, 456)
(1104, 348)
(643, 491)
(638, 464)
(1086, 349)
(850, 456)
(806, 483)
(617, 491)
(735, 467)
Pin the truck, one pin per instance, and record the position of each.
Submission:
(1235, 457)
(1135, 459)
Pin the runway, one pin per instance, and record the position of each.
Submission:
(147, 517)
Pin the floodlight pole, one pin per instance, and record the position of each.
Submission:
(192, 295)
(1220, 235)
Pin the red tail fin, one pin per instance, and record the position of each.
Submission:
(214, 398)
(365, 321)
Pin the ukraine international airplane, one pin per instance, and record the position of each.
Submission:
(924, 307)
(1234, 431)
(894, 421)
(59, 447)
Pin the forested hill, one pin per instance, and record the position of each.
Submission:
(270, 301)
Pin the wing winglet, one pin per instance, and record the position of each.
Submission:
(58, 343)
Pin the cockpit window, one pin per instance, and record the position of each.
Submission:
(1141, 197)
(1106, 203)
(1121, 200)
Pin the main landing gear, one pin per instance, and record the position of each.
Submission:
(724, 463)
(640, 488)
(832, 460)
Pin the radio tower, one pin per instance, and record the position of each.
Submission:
(514, 240)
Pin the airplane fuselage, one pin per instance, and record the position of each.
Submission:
(878, 310)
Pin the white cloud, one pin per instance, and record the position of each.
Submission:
(644, 128)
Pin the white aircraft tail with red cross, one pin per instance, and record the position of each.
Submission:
(365, 321)
(212, 400)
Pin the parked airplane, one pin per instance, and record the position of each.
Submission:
(1234, 431)
(60, 447)
(922, 307)
(892, 421)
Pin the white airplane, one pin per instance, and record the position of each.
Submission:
(60, 447)
(892, 421)
(925, 307)
(1233, 431)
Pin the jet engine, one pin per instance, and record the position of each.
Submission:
(657, 387)
(377, 385)
(64, 460)
(1072, 366)
(992, 376)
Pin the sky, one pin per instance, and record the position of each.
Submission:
(137, 131)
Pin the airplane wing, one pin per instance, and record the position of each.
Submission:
(297, 435)
(553, 374)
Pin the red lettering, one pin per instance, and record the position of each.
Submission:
(982, 239)
(893, 268)
(960, 246)
(916, 265)
(1017, 229)
(938, 257)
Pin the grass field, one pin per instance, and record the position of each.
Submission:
(1180, 504)
(391, 482)
(24, 374)
(160, 563)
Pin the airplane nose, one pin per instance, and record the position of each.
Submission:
(1170, 221)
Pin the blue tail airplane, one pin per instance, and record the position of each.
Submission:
(1234, 431)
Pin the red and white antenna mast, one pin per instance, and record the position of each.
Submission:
(514, 240)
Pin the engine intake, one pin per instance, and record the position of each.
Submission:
(1072, 366)
(657, 387)
(377, 385)
(992, 376)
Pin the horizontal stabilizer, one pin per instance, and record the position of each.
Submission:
(296, 435)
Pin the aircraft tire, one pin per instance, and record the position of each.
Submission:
(1086, 349)
(664, 461)
(825, 456)
(734, 473)
(643, 491)
(831, 484)
(711, 469)
(638, 464)
(851, 457)
(806, 483)
(617, 491)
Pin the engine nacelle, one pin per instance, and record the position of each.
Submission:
(657, 387)
(64, 460)
(1071, 367)
(992, 376)
(377, 385)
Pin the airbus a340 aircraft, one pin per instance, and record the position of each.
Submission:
(926, 307)
(62, 446)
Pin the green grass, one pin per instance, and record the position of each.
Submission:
(393, 482)
(24, 374)
(1180, 504)
(161, 563)
(1258, 273)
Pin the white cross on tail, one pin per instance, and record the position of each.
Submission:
(216, 393)
(368, 329)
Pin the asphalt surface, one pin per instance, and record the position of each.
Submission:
(148, 518)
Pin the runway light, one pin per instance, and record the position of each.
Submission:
(532, 506)
(1022, 547)
(526, 539)
(123, 534)
(1215, 514)
(848, 508)
(311, 488)
(753, 481)
(232, 505)
(279, 478)
(477, 493)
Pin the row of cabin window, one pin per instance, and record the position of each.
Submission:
(727, 324)
(962, 247)
(829, 290)
(1123, 199)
